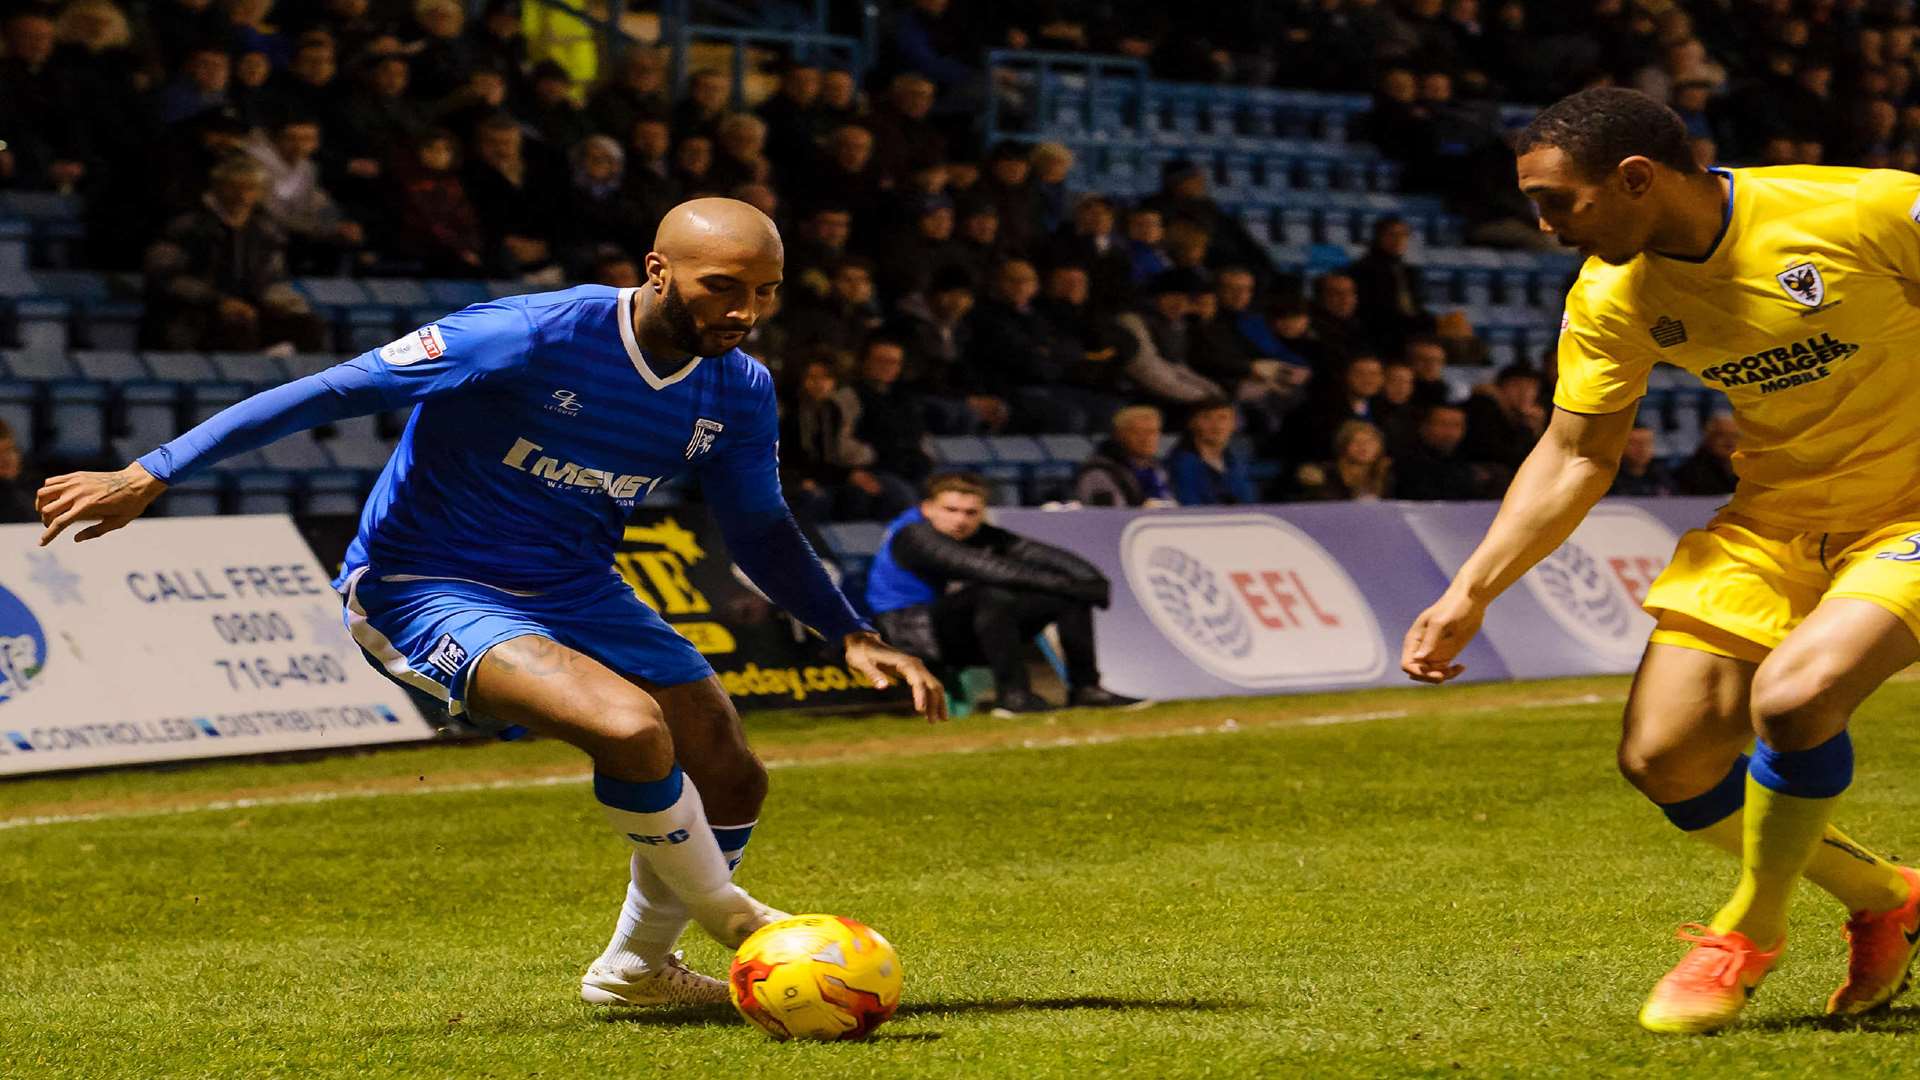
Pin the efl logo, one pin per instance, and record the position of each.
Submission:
(423, 344)
(1594, 584)
(1252, 600)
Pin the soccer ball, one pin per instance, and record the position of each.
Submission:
(816, 977)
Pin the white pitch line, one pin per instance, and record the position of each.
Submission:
(1228, 726)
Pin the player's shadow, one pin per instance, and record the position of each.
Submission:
(1066, 1004)
(1902, 1020)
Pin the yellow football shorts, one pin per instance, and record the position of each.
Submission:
(1737, 588)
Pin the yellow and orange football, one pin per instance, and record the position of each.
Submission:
(820, 977)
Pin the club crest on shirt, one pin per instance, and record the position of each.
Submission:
(1803, 283)
(423, 344)
(704, 431)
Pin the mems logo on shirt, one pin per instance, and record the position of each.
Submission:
(558, 474)
(1772, 370)
(423, 344)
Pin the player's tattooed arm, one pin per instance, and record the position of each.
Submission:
(108, 499)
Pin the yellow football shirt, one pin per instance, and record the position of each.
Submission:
(1806, 313)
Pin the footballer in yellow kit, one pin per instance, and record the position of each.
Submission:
(1796, 292)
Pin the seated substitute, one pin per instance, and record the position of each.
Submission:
(954, 590)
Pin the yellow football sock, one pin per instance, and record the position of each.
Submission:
(1779, 837)
(1859, 879)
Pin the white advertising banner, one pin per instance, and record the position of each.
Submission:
(179, 638)
(1252, 600)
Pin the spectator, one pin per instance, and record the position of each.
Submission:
(706, 100)
(1050, 164)
(502, 43)
(382, 121)
(904, 139)
(1388, 291)
(818, 450)
(889, 421)
(1292, 323)
(551, 110)
(1146, 238)
(819, 246)
(1184, 197)
(600, 212)
(845, 317)
(247, 90)
(839, 98)
(617, 269)
(739, 152)
(1204, 469)
(1011, 346)
(1640, 472)
(217, 277)
(1428, 358)
(1235, 349)
(16, 489)
(1355, 395)
(845, 172)
(1156, 342)
(1336, 317)
(1125, 470)
(1710, 470)
(516, 200)
(637, 89)
(911, 260)
(1087, 343)
(1360, 470)
(1008, 184)
(1090, 241)
(349, 22)
(308, 87)
(55, 122)
(978, 246)
(315, 224)
(200, 85)
(184, 164)
(795, 123)
(1432, 468)
(932, 43)
(1504, 421)
(438, 228)
(936, 329)
(443, 56)
(180, 26)
(483, 95)
(954, 590)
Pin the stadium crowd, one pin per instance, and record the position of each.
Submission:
(933, 287)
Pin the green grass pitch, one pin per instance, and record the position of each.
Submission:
(1401, 883)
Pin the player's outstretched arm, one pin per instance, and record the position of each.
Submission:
(881, 663)
(1568, 471)
(108, 499)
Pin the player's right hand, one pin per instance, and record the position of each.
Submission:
(108, 499)
(1437, 636)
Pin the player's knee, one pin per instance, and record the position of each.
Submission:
(635, 743)
(1667, 773)
(1797, 705)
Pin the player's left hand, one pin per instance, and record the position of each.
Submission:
(881, 663)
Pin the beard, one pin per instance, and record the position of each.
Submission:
(682, 331)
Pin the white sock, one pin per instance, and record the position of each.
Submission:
(653, 918)
(667, 825)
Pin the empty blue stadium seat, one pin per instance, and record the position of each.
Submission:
(38, 365)
(40, 323)
(356, 445)
(302, 364)
(41, 206)
(149, 413)
(365, 326)
(211, 397)
(110, 324)
(180, 367)
(332, 292)
(453, 295)
(332, 491)
(396, 292)
(14, 236)
(76, 420)
(257, 369)
(17, 404)
(300, 451)
(265, 491)
(1073, 449)
(1017, 449)
(195, 496)
(961, 450)
(853, 539)
(241, 462)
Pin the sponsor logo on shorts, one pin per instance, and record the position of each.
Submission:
(1911, 554)
(447, 655)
